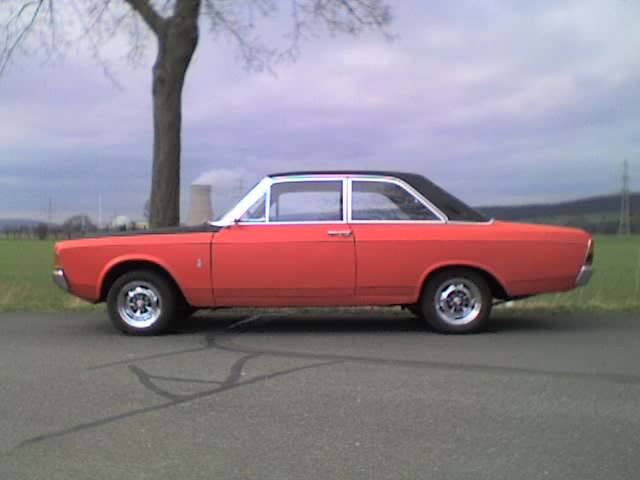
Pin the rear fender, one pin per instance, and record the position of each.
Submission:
(459, 264)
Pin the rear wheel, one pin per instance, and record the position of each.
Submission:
(142, 303)
(456, 301)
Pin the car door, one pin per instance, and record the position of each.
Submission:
(396, 233)
(292, 247)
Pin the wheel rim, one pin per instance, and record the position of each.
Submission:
(139, 304)
(458, 301)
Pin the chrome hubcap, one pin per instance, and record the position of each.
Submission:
(458, 301)
(139, 304)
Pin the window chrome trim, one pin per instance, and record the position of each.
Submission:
(263, 188)
(267, 204)
(471, 222)
(298, 179)
(442, 218)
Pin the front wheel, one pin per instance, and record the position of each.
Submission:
(141, 303)
(456, 301)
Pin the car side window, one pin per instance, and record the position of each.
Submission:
(299, 201)
(256, 213)
(386, 201)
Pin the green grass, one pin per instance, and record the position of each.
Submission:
(26, 285)
(25, 279)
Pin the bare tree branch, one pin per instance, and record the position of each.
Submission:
(42, 24)
(22, 32)
(255, 56)
(94, 44)
(150, 16)
(98, 18)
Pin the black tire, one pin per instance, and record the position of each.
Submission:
(416, 311)
(185, 310)
(456, 301)
(142, 303)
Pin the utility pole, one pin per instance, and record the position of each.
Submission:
(624, 228)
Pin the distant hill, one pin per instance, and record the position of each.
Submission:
(599, 214)
(583, 206)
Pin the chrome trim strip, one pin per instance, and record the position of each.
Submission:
(340, 233)
(586, 254)
(345, 200)
(59, 279)
(267, 204)
(323, 222)
(349, 199)
(586, 272)
(398, 222)
(469, 222)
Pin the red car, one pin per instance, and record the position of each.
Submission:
(328, 239)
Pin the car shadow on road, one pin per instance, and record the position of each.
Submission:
(330, 323)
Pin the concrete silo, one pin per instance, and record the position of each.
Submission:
(200, 210)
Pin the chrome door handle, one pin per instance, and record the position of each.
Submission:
(339, 233)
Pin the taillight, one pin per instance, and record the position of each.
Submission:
(589, 259)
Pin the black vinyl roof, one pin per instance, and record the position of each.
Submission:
(454, 208)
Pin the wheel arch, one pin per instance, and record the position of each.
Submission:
(495, 285)
(117, 269)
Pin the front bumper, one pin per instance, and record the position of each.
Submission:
(586, 272)
(59, 279)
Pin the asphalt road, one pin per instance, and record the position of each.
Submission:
(283, 397)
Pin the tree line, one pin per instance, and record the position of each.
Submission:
(77, 226)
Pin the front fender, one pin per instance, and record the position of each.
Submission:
(146, 258)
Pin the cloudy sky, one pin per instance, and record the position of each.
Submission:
(501, 102)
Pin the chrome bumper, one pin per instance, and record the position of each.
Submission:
(586, 272)
(60, 280)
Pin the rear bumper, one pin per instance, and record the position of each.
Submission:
(586, 272)
(59, 279)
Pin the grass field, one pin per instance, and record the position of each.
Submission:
(25, 281)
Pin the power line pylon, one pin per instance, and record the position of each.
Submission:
(624, 228)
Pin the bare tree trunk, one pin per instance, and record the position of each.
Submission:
(177, 40)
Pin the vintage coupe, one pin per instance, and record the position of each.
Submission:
(328, 238)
